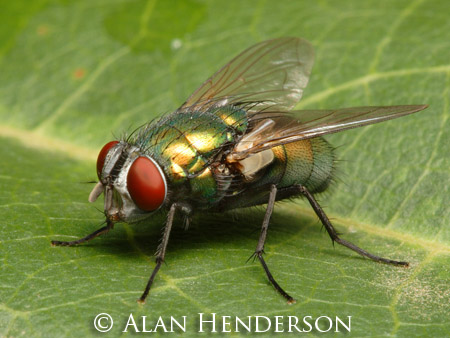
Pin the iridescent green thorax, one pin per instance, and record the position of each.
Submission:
(186, 143)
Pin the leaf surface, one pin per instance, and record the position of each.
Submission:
(76, 73)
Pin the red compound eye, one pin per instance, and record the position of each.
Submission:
(102, 156)
(146, 184)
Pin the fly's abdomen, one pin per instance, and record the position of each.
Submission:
(308, 162)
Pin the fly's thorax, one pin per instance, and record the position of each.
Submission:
(189, 147)
(133, 182)
(196, 180)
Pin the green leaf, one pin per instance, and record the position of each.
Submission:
(75, 73)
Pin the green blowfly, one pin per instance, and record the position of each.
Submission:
(235, 143)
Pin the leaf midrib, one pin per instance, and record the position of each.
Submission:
(36, 140)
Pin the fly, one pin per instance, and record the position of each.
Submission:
(236, 142)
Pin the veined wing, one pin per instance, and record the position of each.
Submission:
(270, 74)
(276, 128)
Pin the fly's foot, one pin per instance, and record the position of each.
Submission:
(255, 255)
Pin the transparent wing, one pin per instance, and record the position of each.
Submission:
(271, 74)
(302, 124)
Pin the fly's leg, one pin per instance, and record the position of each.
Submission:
(260, 247)
(109, 225)
(334, 235)
(161, 253)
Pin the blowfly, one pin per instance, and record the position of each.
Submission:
(235, 143)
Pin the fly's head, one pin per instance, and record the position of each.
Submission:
(134, 184)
